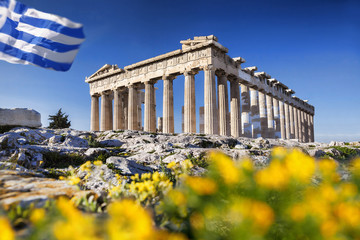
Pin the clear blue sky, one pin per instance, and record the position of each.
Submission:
(311, 46)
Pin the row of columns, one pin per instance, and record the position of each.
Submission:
(252, 113)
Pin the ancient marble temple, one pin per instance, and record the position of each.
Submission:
(256, 105)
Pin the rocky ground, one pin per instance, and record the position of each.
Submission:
(32, 160)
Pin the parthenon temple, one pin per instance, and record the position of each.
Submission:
(238, 102)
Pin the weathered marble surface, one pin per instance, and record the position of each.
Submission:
(20, 117)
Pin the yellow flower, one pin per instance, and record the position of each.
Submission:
(177, 197)
(73, 180)
(300, 166)
(297, 212)
(6, 232)
(327, 168)
(129, 221)
(76, 225)
(279, 152)
(348, 213)
(197, 221)
(98, 163)
(201, 185)
(37, 215)
(356, 167)
(226, 167)
(275, 176)
(329, 228)
(186, 165)
(86, 166)
(259, 213)
(171, 165)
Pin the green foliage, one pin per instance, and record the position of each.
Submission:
(58, 160)
(347, 153)
(60, 120)
(200, 161)
(93, 143)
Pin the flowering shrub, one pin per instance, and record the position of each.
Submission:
(294, 197)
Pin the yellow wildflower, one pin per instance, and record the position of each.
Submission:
(73, 180)
(275, 176)
(86, 166)
(6, 233)
(300, 166)
(171, 165)
(202, 185)
(327, 168)
(297, 212)
(186, 165)
(329, 228)
(76, 226)
(129, 221)
(259, 213)
(37, 215)
(177, 197)
(98, 163)
(348, 213)
(279, 152)
(197, 221)
(356, 167)
(226, 167)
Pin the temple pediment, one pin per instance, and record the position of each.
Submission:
(104, 69)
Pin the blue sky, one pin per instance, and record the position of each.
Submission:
(311, 46)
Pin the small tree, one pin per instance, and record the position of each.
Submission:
(60, 120)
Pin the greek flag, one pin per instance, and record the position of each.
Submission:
(28, 36)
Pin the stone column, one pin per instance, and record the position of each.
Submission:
(168, 105)
(306, 123)
(126, 109)
(296, 123)
(262, 114)
(255, 118)
(106, 112)
(302, 126)
(223, 103)
(149, 123)
(245, 113)
(235, 117)
(140, 97)
(201, 120)
(132, 108)
(276, 118)
(299, 125)
(287, 121)
(94, 113)
(189, 103)
(118, 110)
(312, 137)
(160, 124)
(210, 109)
(291, 113)
(282, 119)
(270, 117)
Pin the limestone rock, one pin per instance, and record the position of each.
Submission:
(23, 189)
(20, 117)
(127, 167)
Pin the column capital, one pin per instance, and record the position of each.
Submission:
(106, 92)
(95, 95)
(232, 78)
(190, 72)
(209, 67)
(220, 73)
(168, 77)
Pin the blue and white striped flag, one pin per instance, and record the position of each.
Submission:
(28, 36)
